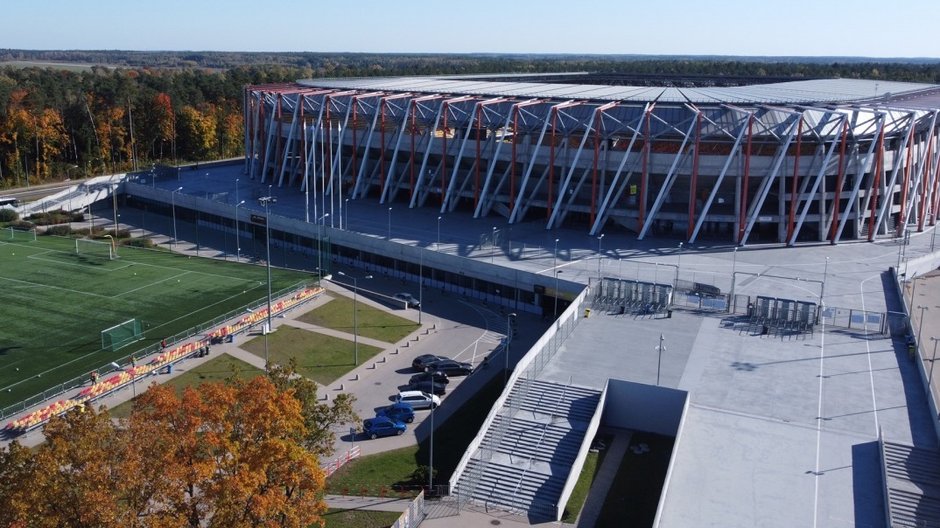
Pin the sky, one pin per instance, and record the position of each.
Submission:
(866, 28)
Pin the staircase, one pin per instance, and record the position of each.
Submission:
(912, 481)
(527, 452)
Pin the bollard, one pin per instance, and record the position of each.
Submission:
(396, 351)
(356, 378)
(341, 387)
(383, 360)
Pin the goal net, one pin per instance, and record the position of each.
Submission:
(21, 235)
(121, 335)
(95, 248)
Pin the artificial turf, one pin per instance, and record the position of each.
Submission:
(56, 303)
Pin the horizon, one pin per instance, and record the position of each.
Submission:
(601, 27)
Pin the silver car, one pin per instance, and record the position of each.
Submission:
(418, 399)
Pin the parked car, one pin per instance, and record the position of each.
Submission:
(450, 367)
(418, 399)
(428, 386)
(402, 412)
(382, 426)
(423, 360)
(408, 299)
(435, 375)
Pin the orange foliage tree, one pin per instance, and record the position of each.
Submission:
(218, 455)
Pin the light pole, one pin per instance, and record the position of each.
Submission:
(438, 247)
(420, 285)
(493, 245)
(555, 265)
(173, 204)
(932, 361)
(389, 237)
(266, 202)
(600, 240)
(678, 265)
(346, 213)
(238, 238)
(659, 363)
(509, 318)
(236, 190)
(431, 455)
(355, 312)
(822, 287)
(920, 325)
(734, 265)
(320, 222)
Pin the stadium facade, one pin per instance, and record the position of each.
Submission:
(817, 160)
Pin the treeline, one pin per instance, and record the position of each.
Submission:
(153, 107)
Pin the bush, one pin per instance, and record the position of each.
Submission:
(58, 230)
(50, 218)
(22, 224)
(8, 215)
(138, 242)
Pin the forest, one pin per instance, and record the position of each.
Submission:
(70, 114)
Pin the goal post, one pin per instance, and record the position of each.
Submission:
(121, 335)
(22, 235)
(96, 248)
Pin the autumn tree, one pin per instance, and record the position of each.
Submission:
(226, 455)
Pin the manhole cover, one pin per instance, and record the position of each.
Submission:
(496, 522)
(377, 383)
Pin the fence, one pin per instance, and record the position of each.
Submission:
(342, 460)
(80, 380)
(413, 516)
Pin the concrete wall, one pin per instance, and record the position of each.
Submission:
(644, 407)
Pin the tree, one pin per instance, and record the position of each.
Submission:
(218, 455)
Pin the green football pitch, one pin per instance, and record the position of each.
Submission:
(55, 302)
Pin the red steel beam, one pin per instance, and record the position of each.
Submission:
(922, 216)
(747, 174)
(876, 185)
(837, 195)
(902, 215)
(598, 118)
(647, 145)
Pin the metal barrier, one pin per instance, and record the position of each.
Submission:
(413, 516)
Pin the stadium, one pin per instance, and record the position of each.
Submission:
(696, 158)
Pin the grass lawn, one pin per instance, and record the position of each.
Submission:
(360, 518)
(634, 493)
(220, 368)
(319, 357)
(576, 501)
(372, 473)
(374, 323)
(60, 301)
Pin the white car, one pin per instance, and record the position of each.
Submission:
(408, 299)
(418, 399)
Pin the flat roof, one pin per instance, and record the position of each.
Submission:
(800, 92)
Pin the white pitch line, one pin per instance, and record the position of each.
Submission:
(152, 284)
(55, 287)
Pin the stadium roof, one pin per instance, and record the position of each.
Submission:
(804, 92)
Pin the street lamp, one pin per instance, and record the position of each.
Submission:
(438, 247)
(600, 240)
(346, 214)
(678, 265)
(932, 361)
(920, 325)
(320, 222)
(493, 245)
(266, 202)
(389, 237)
(238, 238)
(173, 204)
(734, 265)
(554, 265)
(659, 363)
(822, 287)
(509, 318)
(355, 311)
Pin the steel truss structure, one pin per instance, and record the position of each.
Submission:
(744, 170)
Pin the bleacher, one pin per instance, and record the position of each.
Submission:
(618, 296)
(912, 484)
(528, 451)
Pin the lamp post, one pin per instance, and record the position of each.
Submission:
(678, 265)
(420, 285)
(600, 240)
(509, 318)
(734, 265)
(266, 202)
(320, 222)
(493, 244)
(238, 238)
(554, 265)
(431, 454)
(920, 325)
(438, 247)
(173, 204)
(659, 363)
(933, 360)
(355, 312)
(822, 287)
(236, 190)
(346, 213)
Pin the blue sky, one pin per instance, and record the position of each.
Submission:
(687, 27)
